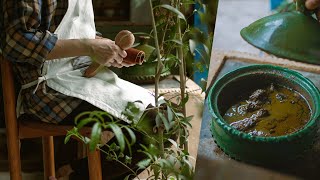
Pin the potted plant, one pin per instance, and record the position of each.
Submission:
(176, 40)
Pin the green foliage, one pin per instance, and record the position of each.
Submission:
(174, 164)
(194, 40)
(164, 128)
(95, 136)
(169, 162)
(97, 118)
(173, 10)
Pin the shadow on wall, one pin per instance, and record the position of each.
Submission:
(140, 12)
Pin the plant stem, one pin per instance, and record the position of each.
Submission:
(164, 36)
(157, 75)
(182, 72)
(123, 164)
(161, 143)
(160, 64)
(181, 68)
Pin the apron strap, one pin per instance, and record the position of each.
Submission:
(19, 108)
(33, 83)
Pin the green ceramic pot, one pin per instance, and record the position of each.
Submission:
(292, 35)
(145, 73)
(150, 51)
(254, 149)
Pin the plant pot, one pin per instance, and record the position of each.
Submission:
(144, 73)
(254, 149)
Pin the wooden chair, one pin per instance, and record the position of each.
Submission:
(17, 130)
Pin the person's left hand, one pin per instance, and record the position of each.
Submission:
(314, 5)
(115, 63)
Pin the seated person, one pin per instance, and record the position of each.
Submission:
(50, 43)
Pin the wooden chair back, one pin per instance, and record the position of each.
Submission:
(28, 128)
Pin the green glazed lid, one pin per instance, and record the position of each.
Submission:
(291, 35)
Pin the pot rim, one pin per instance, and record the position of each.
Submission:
(305, 84)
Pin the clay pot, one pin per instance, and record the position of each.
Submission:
(150, 51)
(144, 73)
(254, 149)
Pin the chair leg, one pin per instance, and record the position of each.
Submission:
(14, 157)
(81, 150)
(11, 120)
(48, 157)
(94, 165)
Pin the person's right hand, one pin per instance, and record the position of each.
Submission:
(314, 5)
(105, 52)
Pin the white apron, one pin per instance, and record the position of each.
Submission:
(105, 90)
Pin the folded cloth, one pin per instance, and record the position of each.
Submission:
(105, 90)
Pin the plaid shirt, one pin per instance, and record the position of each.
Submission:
(26, 38)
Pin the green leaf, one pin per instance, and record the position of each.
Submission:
(192, 45)
(186, 123)
(108, 116)
(119, 135)
(121, 155)
(158, 121)
(165, 163)
(165, 122)
(189, 118)
(188, 163)
(174, 143)
(67, 138)
(113, 147)
(132, 135)
(175, 41)
(79, 116)
(127, 177)
(73, 131)
(203, 84)
(172, 178)
(128, 160)
(95, 136)
(172, 9)
(170, 114)
(142, 34)
(144, 163)
(179, 114)
(98, 115)
(184, 100)
(84, 122)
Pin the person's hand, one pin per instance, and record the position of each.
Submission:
(314, 5)
(106, 52)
